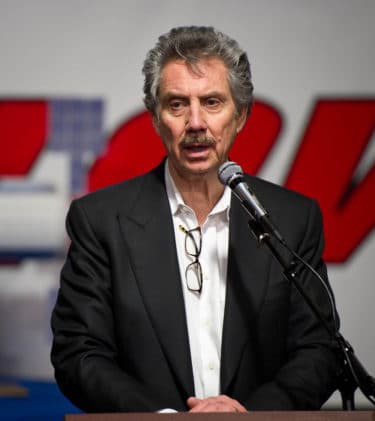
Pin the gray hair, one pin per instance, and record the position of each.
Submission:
(191, 44)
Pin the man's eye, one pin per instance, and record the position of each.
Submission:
(212, 102)
(176, 105)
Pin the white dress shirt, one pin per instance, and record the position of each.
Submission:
(205, 310)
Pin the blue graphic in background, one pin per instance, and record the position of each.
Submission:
(76, 126)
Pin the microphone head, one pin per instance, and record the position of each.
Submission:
(228, 172)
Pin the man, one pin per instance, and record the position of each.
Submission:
(166, 301)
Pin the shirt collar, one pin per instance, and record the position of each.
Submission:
(176, 201)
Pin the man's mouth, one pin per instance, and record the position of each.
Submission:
(197, 144)
(196, 147)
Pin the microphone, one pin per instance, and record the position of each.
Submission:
(231, 174)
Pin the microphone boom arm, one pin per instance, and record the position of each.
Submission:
(352, 373)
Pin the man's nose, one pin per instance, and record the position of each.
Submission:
(196, 121)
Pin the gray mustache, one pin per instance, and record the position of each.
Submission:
(197, 140)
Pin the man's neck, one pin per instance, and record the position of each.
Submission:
(201, 193)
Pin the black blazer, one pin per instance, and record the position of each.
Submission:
(120, 333)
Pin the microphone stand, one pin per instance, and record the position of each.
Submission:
(352, 373)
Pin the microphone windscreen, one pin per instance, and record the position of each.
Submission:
(228, 171)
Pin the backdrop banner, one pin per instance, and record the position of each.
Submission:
(72, 121)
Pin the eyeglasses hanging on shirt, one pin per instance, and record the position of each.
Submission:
(193, 247)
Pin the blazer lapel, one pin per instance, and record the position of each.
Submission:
(149, 233)
(248, 267)
(154, 258)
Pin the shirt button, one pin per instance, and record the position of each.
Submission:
(211, 366)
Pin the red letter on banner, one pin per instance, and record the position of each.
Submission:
(132, 150)
(331, 150)
(23, 129)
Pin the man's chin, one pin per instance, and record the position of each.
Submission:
(196, 167)
(200, 167)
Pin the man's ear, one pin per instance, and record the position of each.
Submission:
(241, 119)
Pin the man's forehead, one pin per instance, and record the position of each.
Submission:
(198, 67)
(205, 72)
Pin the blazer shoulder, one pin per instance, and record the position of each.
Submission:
(122, 195)
(292, 212)
(276, 193)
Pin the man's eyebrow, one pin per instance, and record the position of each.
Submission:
(217, 94)
(173, 94)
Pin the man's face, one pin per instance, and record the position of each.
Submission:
(197, 116)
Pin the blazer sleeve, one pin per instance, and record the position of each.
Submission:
(308, 374)
(84, 352)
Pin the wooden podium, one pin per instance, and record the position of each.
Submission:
(250, 416)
